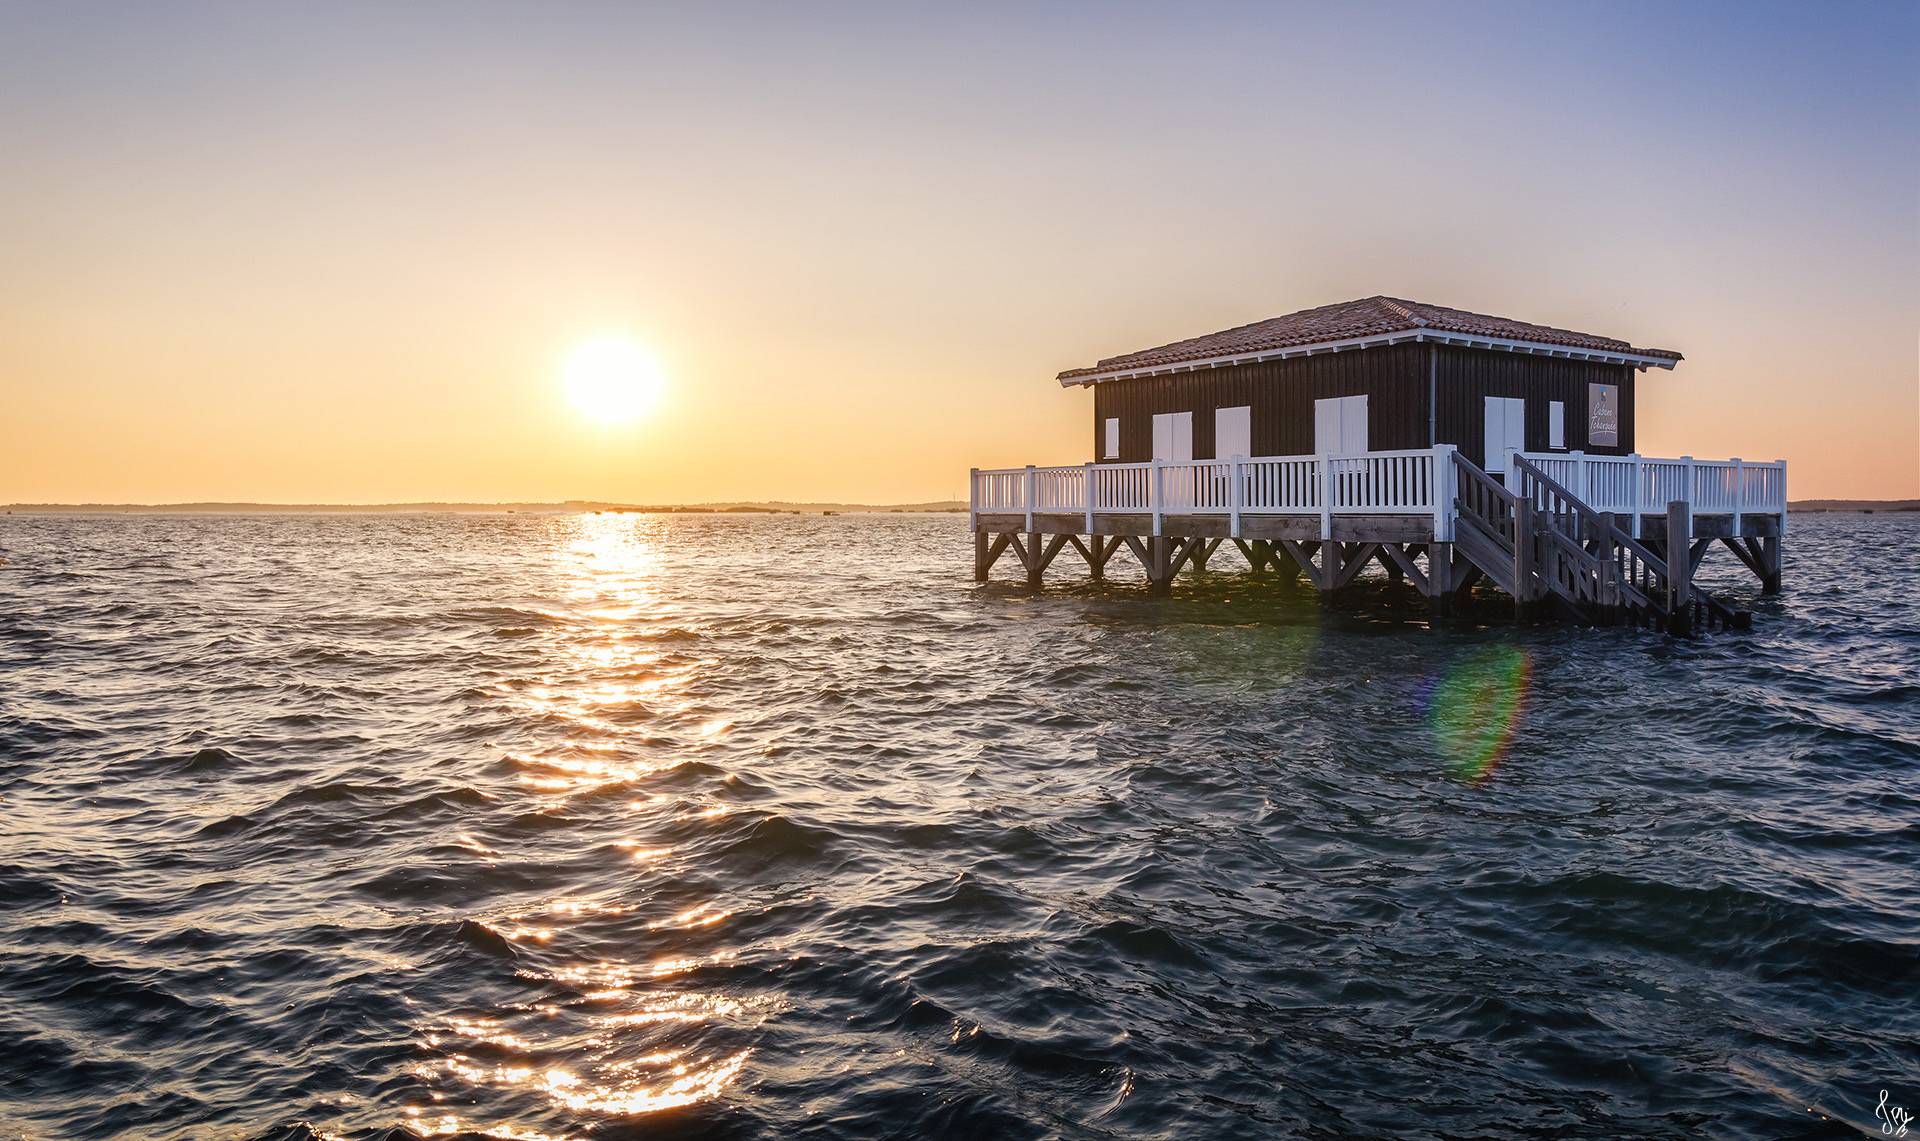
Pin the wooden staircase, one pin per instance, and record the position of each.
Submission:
(1544, 546)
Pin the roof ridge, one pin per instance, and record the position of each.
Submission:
(1399, 309)
(1345, 323)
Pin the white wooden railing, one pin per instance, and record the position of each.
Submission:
(1638, 485)
(1415, 482)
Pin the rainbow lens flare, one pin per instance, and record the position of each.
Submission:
(1475, 709)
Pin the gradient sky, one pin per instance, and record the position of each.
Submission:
(338, 252)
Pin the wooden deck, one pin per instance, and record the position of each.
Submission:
(1618, 552)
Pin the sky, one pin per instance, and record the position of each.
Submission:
(341, 252)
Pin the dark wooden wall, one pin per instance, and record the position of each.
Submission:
(1394, 378)
(1281, 394)
(1468, 376)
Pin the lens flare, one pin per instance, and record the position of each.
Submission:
(1475, 709)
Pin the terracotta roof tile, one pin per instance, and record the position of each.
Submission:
(1366, 317)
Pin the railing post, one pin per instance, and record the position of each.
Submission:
(1326, 496)
(1032, 481)
(973, 499)
(1739, 494)
(1607, 590)
(1638, 492)
(1156, 494)
(1782, 466)
(1443, 493)
(1092, 499)
(1234, 494)
(1580, 487)
(1692, 493)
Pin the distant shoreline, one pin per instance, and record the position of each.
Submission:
(1865, 506)
(567, 507)
(582, 506)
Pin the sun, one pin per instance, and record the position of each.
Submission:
(612, 380)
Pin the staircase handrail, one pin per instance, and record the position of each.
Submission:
(1621, 538)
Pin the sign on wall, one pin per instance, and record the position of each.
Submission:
(1603, 415)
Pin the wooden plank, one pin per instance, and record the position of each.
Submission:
(1383, 528)
(1059, 523)
(1211, 526)
(1274, 527)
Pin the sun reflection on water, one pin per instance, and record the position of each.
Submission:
(603, 1036)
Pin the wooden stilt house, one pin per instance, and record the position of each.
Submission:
(1443, 445)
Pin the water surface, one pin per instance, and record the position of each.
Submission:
(613, 826)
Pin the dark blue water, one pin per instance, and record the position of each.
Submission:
(628, 826)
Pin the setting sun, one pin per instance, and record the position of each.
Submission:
(612, 380)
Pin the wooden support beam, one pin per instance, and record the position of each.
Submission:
(1256, 552)
(1160, 564)
(1045, 559)
(1021, 552)
(1353, 559)
(1522, 555)
(1300, 553)
(986, 554)
(1103, 556)
(1200, 550)
(1696, 556)
(1440, 578)
(1607, 589)
(1085, 555)
(1773, 559)
(1748, 552)
(1399, 560)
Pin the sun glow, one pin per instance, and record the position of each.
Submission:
(612, 380)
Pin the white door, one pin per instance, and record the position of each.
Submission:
(1506, 430)
(1340, 425)
(1232, 432)
(1173, 436)
(1173, 442)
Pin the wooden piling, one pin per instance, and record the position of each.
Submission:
(1522, 555)
(1679, 567)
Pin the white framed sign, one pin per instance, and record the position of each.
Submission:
(1603, 415)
